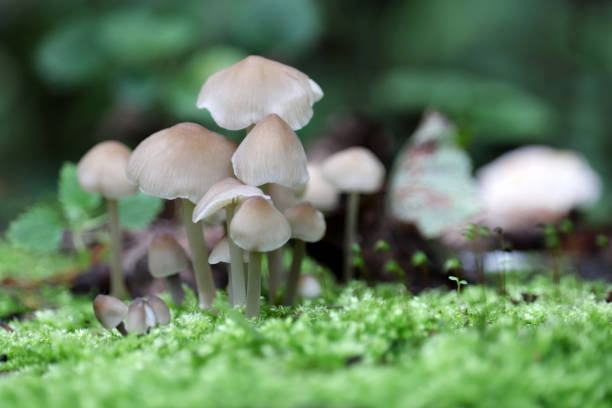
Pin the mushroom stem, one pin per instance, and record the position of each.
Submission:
(275, 267)
(254, 284)
(350, 233)
(117, 286)
(230, 291)
(236, 280)
(299, 250)
(199, 256)
(176, 289)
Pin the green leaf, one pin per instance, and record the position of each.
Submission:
(77, 204)
(452, 264)
(419, 258)
(40, 228)
(139, 210)
(381, 245)
(453, 278)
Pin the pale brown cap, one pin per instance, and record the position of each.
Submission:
(259, 227)
(307, 224)
(140, 317)
(109, 311)
(221, 194)
(182, 161)
(160, 309)
(255, 87)
(166, 256)
(221, 252)
(271, 153)
(284, 197)
(309, 286)
(102, 170)
(319, 191)
(355, 169)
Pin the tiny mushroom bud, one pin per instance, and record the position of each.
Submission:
(146, 313)
(354, 170)
(102, 170)
(166, 260)
(255, 87)
(309, 286)
(271, 153)
(110, 311)
(160, 309)
(307, 225)
(184, 161)
(258, 227)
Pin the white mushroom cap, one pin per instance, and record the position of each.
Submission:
(109, 311)
(102, 170)
(259, 227)
(166, 256)
(160, 309)
(355, 169)
(221, 194)
(145, 313)
(284, 197)
(309, 286)
(535, 184)
(182, 161)
(271, 153)
(319, 191)
(221, 252)
(307, 224)
(255, 87)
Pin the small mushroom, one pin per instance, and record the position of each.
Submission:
(355, 171)
(146, 313)
(258, 227)
(110, 312)
(249, 90)
(167, 259)
(309, 286)
(271, 153)
(102, 170)
(184, 161)
(307, 225)
(319, 191)
(227, 194)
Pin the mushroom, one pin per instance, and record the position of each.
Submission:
(102, 170)
(271, 153)
(167, 259)
(221, 253)
(307, 225)
(244, 93)
(355, 171)
(184, 161)
(258, 227)
(309, 286)
(228, 193)
(319, 191)
(146, 313)
(110, 312)
(535, 184)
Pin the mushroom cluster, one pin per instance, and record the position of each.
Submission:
(142, 314)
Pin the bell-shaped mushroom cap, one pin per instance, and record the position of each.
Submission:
(355, 169)
(271, 153)
(166, 256)
(140, 317)
(319, 191)
(284, 197)
(221, 252)
(109, 311)
(102, 170)
(534, 184)
(182, 161)
(247, 91)
(309, 286)
(160, 309)
(307, 224)
(259, 227)
(221, 194)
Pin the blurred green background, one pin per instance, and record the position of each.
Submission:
(508, 72)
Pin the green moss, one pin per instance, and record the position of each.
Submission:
(21, 263)
(378, 347)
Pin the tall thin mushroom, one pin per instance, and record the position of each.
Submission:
(258, 227)
(355, 171)
(184, 161)
(102, 170)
